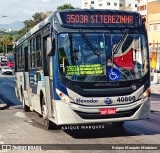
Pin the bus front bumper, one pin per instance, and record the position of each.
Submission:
(72, 113)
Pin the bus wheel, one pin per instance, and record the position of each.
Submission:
(25, 107)
(47, 123)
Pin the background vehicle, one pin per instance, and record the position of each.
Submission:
(3, 64)
(1, 57)
(3, 61)
(6, 70)
(65, 77)
(10, 64)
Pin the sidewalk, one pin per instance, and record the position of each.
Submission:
(155, 89)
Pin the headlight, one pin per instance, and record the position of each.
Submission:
(63, 96)
(145, 94)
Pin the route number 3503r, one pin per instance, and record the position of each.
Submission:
(126, 99)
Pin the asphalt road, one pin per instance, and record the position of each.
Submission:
(7, 90)
(18, 127)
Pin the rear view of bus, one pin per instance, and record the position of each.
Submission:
(103, 67)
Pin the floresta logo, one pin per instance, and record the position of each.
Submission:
(86, 100)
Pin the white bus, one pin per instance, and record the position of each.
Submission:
(85, 66)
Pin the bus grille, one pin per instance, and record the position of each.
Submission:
(85, 115)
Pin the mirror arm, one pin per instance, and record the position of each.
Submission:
(63, 64)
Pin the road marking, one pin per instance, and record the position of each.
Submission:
(16, 107)
(20, 114)
(30, 121)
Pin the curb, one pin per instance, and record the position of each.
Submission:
(157, 93)
(3, 105)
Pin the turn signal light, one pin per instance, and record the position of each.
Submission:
(145, 94)
(63, 97)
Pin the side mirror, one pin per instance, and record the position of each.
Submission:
(50, 46)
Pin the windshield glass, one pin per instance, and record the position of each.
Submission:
(102, 57)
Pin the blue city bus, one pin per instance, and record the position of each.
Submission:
(85, 66)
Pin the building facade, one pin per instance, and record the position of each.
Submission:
(110, 4)
(142, 7)
(154, 32)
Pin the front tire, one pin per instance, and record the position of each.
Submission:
(25, 107)
(47, 123)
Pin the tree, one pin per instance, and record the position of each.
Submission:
(28, 24)
(6, 40)
(65, 6)
(7, 43)
(37, 18)
(1, 47)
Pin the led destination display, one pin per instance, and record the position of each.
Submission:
(89, 69)
(99, 19)
(94, 19)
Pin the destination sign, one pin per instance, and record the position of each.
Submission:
(99, 19)
(88, 69)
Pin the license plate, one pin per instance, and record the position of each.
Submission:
(107, 111)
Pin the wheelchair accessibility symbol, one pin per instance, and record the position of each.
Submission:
(113, 74)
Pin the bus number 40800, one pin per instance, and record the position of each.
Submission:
(126, 99)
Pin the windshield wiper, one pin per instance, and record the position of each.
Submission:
(91, 46)
(120, 43)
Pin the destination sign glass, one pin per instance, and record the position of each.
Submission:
(90, 69)
(99, 19)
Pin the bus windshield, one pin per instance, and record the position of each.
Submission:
(102, 57)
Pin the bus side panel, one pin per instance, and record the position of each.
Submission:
(27, 90)
(20, 84)
(36, 97)
(36, 85)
